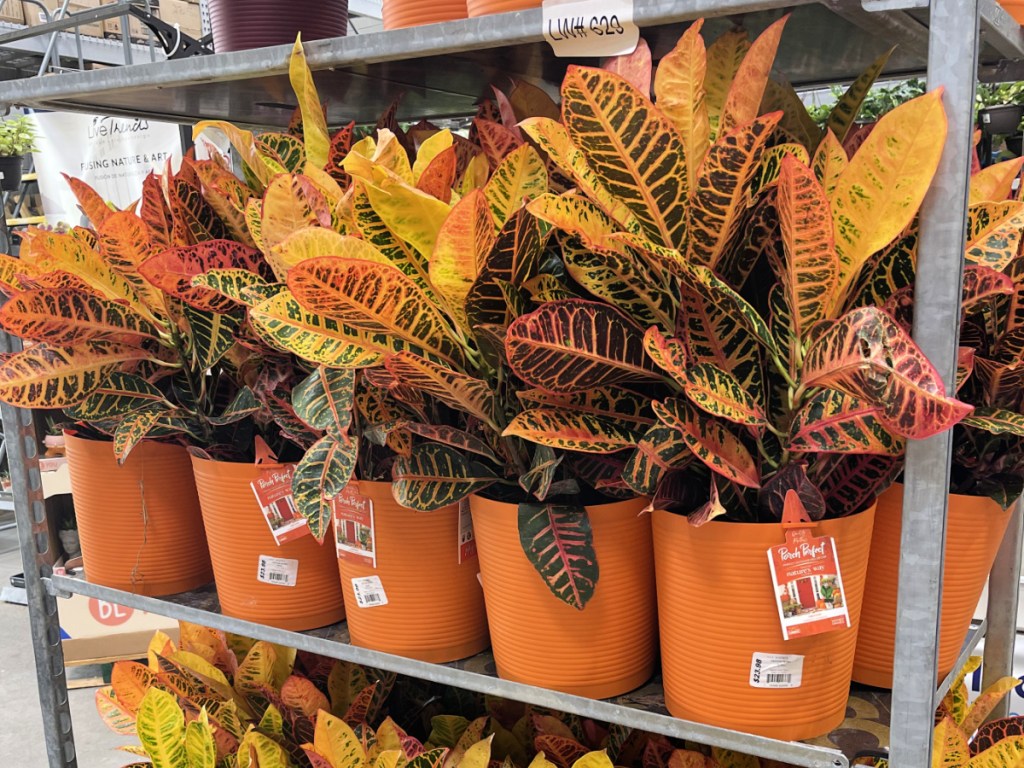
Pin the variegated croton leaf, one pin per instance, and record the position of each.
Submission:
(436, 476)
(558, 541)
(322, 474)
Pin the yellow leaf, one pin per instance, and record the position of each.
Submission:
(1008, 753)
(724, 57)
(161, 729)
(540, 761)
(390, 758)
(986, 702)
(199, 743)
(160, 644)
(429, 149)
(743, 102)
(949, 745)
(594, 760)
(462, 244)
(314, 125)
(414, 216)
(830, 160)
(680, 94)
(880, 191)
(476, 174)
(478, 755)
(315, 242)
(995, 183)
(335, 740)
(196, 663)
(244, 143)
(520, 177)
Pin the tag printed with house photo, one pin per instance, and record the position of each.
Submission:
(353, 526)
(273, 490)
(808, 585)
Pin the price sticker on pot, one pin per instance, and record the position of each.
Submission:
(369, 592)
(806, 579)
(776, 670)
(467, 541)
(354, 535)
(576, 28)
(279, 571)
(273, 491)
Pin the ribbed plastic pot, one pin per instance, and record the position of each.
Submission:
(238, 25)
(435, 604)
(238, 535)
(485, 7)
(974, 530)
(604, 650)
(139, 523)
(1015, 8)
(716, 606)
(399, 14)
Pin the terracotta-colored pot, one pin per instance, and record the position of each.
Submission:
(139, 523)
(606, 649)
(717, 609)
(484, 7)
(974, 530)
(435, 605)
(398, 14)
(241, 24)
(240, 539)
(1015, 8)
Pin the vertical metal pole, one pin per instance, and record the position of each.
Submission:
(1003, 585)
(952, 63)
(30, 513)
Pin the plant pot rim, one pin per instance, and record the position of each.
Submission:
(777, 524)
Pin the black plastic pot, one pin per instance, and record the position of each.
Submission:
(10, 172)
(239, 25)
(1014, 143)
(1002, 119)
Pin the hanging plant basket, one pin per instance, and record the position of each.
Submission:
(606, 649)
(974, 529)
(138, 524)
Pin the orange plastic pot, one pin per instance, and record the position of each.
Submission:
(485, 7)
(139, 523)
(239, 538)
(398, 14)
(606, 649)
(1015, 8)
(435, 605)
(974, 530)
(717, 609)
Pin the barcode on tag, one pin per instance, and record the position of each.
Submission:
(279, 571)
(776, 670)
(369, 592)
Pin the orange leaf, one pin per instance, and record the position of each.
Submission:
(679, 88)
(634, 68)
(743, 102)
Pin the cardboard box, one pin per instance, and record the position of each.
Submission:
(12, 12)
(112, 28)
(184, 14)
(34, 16)
(94, 630)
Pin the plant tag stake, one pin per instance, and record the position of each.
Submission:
(369, 592)
(273, 490)
(467, 541)
(354, 535)
(776, 670)
(279, 571)
(806, 578)
(577, 28)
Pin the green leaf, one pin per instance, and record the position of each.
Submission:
(161, 729)
(844, 113)
(134, 427)
(211, 335)
(321, 475)
(244, 404)
(436, 476)
(996, 421)
(558, 542)
(120, 393)
(570, 430)
(324, 399)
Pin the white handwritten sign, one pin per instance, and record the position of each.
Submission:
(581, 28)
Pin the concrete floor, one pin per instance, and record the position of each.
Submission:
(21, 731)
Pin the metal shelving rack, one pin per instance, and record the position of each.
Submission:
(442, 70)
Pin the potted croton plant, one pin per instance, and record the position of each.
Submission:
(987, 471)
(398, 569)
(758, 394)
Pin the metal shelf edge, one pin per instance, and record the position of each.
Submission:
(793, 752)
(973, 638)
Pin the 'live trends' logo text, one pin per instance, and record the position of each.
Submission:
(112, 126)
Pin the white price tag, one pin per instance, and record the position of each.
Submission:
(279, 571)
(580, 28)
(776, 670)
(369, 592)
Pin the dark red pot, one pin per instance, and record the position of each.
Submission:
(242, 24)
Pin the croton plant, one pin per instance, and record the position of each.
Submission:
(566, 307)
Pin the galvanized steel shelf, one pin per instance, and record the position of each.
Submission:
(442, 70)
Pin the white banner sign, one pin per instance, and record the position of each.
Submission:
(113, 155)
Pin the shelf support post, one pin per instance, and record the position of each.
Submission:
(1003, 585)
(33, 535)
(952, 63)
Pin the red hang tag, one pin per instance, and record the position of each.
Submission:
(354, 535)
(273, 491)
(806, 579)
